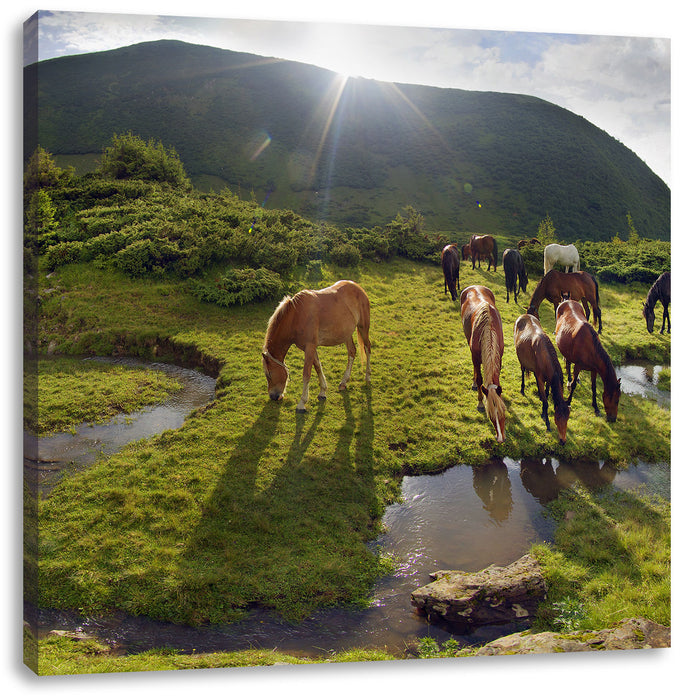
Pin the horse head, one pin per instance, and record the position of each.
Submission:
(533, 310)
(561, 417)
(277, 375)
(649, 316)
(495, 409)
(611, 401)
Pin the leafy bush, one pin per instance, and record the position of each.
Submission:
(129, 157)
(240, 287)
(345, 255)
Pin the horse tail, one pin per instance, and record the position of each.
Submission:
(495, 253)
(363, 324)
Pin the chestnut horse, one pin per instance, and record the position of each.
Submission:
(579, 286)
(483, 329)
(311, 318)
(660, 291)
(484, 247)
(579, 344)
(450, 261)
(536, 353)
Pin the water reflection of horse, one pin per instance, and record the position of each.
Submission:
(536, 353)
(580, 286)
(483, 329)
(450, 261)
(484, 247)
(660, 291)
(516, 278)
(566, 255)
(579, 344)
(492, 485)
(312, 318)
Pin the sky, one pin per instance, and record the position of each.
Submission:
(620, 83)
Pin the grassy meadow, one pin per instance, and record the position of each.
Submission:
(249, 503)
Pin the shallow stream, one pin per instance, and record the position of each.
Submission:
(463, 518)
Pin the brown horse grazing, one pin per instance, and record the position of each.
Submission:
(536, 353)
(527, 241)
(660, 291)
(450, 261)
(466, 252)
(311, 318)
(483, 329)
(579, 286)
(579, 344)
(484, 247)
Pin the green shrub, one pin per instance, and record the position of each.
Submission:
(240, 287)
(345, 255)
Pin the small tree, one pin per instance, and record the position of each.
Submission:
(41, 171)
(546, 231)
(634, 238)
(130, 157)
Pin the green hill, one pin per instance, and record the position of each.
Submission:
(354, 152)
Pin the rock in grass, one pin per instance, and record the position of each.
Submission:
(496, 595)
(631, 633)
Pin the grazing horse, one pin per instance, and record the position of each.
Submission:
(536, 353)
(566, 255)
(450, 260)
(483, 329)
(311, 318)
(580, 286)
(484, 247)
(579, 344)
(660, 291)
(528, 241)
(466, 252)
(516, 278)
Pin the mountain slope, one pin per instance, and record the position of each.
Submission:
(355, 151)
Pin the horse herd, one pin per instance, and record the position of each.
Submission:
(330, 316)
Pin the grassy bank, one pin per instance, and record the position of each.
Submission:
(250, 503)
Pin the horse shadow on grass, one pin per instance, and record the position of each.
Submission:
(289, 531)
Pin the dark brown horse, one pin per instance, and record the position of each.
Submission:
(528, 241)
(516, 278)
(536, 353)
(483, 329)
(579, 286)
(660, 291)
(579, 344)
(466, 252)
(311, 318)
(450, 261)
(484, 247)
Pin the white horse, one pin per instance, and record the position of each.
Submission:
(566, 255)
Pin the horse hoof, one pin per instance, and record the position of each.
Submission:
(481, 409)
(322, 398)
(301, 410)
(341, 387)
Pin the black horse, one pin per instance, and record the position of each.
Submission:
(516, 278)
(450, 260)
(660, 291)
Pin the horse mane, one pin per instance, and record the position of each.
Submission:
(490, 355)
(557, 392)
(280, 312)
(605, 358)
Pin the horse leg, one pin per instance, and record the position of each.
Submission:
(350, 345)
(322, 378)
(543, 395)
(665, 316)
(522, 389)
(478, 381)
(574, 382)
(598, 317)
(594, 375)
(587, 311)
(310, 354)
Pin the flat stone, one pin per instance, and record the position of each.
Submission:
(495, 595)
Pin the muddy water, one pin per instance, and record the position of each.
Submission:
(463, 518)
